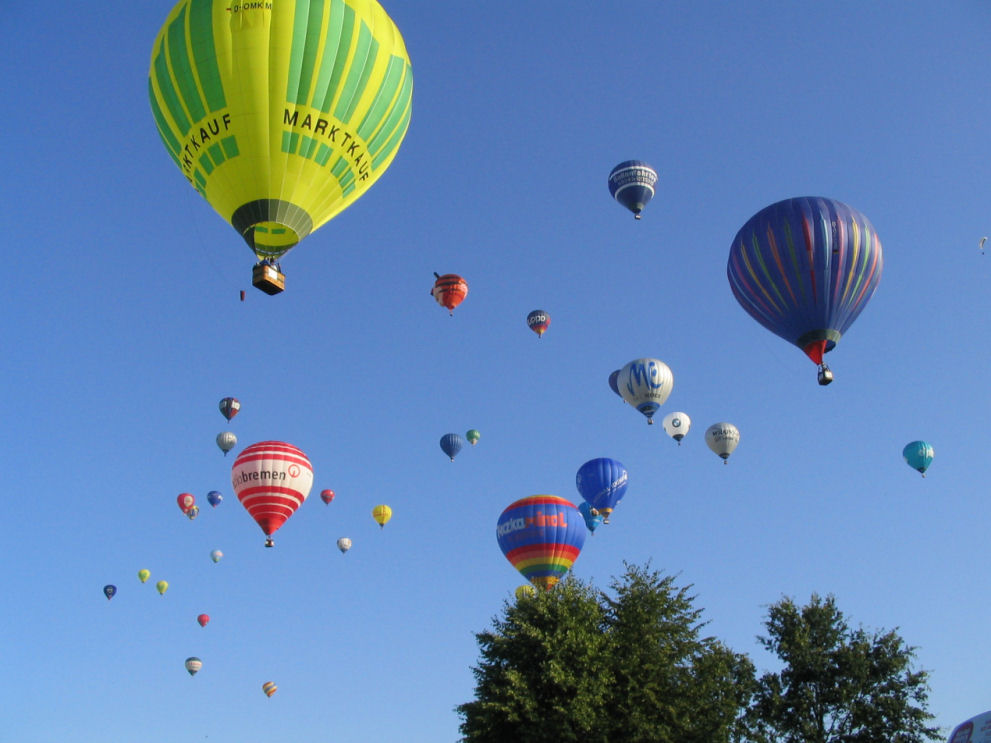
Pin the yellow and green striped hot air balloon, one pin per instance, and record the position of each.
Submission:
(281, 113)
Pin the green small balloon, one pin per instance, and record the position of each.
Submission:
(162, 586)
(144, 575)
(473, 436)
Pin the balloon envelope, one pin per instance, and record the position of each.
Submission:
(269, 688)
(193, 665)
(592, 517)
(676, 425)
(214, 498)
(722, 438)
(541, 536)
(645, 384)
(631, 183)
(216, 555)
(919, 455)
(805, 268)
(381, 514)
(975, 730)
(162, 586)
(449, 290)
(538, 321)
(327, 496)
(271, 480)
(193, 512)
(226, 441)
(144, 575)
(343, 544)
(203, 619)
(279, 114)
(229, 407)
(109, 591)
(614, 383)
(473, 436)
(451, 444)
(602, 483)
(185, 501)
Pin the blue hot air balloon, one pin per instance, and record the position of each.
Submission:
(631, 183)
(541, 536)
(592, 517)
(602, 483)
(451, 444)
(214, 498)
(109, 591)
(614, 384)
(919, 455)
(805, 268)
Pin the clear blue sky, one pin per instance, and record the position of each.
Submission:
(124, 329)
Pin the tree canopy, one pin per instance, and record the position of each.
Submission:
(837, 684)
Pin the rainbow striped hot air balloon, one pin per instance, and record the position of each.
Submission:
(541, 536)
(269, 688)
(805, 268)
(271, 480)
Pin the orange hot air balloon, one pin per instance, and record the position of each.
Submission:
(449, 290)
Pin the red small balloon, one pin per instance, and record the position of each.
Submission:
(327, 496)
(449, 290)
(186, 501)
(203, 619)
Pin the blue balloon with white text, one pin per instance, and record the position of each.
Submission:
(602, 483)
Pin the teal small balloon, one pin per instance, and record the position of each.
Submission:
(919, 456)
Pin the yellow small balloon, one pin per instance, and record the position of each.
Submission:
(381, 514)
(144, 575)
(162, 586)
(526, 591)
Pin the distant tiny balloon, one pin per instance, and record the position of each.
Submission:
(645, 384)
(381, 514)
(162, 586)
(109, 591)
(676, 425)
(918, 455)
(226, 441)
(538, 321)
(214, 498)
(526, 591)
(185, 501)
(193, 665)
(193, 512)
(449, 290)
(722, 438)
(203, 619)
(327, 496)
(631, 183)
(229, 406)
(269, 688)
(473, 436)
(144, 575)
(451, 444)
(343, 544)
(216, 555)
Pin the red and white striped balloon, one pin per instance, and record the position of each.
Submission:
(271, 479)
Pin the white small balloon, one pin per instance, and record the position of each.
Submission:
(645, 384)
(722, 438)
(343, 544)
(676, 425)
(226, 441)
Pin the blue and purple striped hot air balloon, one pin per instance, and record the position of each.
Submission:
(805, 268)
(541, 536)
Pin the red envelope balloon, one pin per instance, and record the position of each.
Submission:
(203, 619)
(327, 496)
(449, 290)
(271, 480)
(186, 501)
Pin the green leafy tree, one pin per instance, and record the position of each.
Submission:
(573, 664)
(837, 684)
